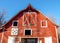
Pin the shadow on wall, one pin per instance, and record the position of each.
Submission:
(59, 40)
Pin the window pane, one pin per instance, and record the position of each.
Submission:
(15, 23)
(27, 32)
(43, 23)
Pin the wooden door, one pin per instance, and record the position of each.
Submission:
(29, 40)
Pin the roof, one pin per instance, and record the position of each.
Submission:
(29, 8)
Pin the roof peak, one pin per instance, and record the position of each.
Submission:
(29, 6)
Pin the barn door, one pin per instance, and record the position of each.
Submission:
(48, 39)
(29, 40)
(11, 39)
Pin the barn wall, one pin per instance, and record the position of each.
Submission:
(37, 31)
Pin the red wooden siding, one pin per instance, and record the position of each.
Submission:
(37, 30)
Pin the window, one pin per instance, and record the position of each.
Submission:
(15, 23)
(28, 32)
(44, 23)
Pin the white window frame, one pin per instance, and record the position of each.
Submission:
(27, 29)
(46, 24)
(13, 23)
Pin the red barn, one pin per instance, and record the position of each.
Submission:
(29, 26)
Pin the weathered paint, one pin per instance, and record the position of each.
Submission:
(27, 20)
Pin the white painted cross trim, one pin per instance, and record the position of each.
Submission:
(34, 19)
(14, 31)
(56, 34)
(2, 36)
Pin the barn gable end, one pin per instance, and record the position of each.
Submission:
(29, 25)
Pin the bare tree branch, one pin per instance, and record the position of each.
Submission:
(2, 17)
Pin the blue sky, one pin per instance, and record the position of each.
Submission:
(47, 7)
